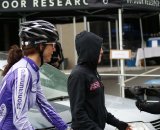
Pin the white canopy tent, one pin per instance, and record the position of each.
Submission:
(63, 11)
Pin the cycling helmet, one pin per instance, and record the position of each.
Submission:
(38, 31)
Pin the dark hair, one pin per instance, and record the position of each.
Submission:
(30, 49)
(14, 55)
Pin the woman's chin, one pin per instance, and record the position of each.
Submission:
(47, 60)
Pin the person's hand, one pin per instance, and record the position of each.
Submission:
(129, 128)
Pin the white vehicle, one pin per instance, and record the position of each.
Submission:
(55, 89)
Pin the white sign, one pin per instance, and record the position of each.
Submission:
(120, 54)
(155, 43)
(145, 2)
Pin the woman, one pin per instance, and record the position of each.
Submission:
(20, 85)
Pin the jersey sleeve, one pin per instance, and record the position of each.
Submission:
(20, 99)
(48, 111)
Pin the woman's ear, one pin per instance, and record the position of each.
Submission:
(41, 47)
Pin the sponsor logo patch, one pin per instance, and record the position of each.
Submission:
(94, 86)
(21, 89)
(3, 111)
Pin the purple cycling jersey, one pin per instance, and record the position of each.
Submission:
(20, 90)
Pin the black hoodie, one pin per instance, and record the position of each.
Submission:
(86, 91)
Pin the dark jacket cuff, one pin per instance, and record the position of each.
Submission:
(122, 125)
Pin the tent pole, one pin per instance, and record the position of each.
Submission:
(21, 20)
(159, 21)
(88, 26)
(122, 83)
(74, 35)
(117, 47)
(110, 40)
(142, 42)
(117, 39)
(61, 41)
(85, 22)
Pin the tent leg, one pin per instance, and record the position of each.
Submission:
(110, 40)
(122, 83)
(74, 35)
(142, 41)
(88, 26)
(85, 22)
(159, 21)
(21, 20)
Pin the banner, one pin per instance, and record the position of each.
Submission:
(142, 4)
(57, 5)
(38, 5)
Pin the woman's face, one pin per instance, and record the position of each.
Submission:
(100, 55)
(47, 54)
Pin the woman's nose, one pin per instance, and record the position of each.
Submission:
(54, 49)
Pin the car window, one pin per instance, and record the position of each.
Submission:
(54, 81)
(3, 60)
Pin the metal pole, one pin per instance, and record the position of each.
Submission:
(117, 39)
(61, 41)
(88, 26)
(21, 20)
(117, 46)
(74, 34)
(110, 40)
(122, 83)
(159, 22)
(142, 41)
(85, 22)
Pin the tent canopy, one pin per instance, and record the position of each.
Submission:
(102, 9)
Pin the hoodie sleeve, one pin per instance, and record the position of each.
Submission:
(48, 111)
(77, 95)
(110, 119)
(20, 99)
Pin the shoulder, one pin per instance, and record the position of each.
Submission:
(20, 64)
(22, 72)
(80, 72)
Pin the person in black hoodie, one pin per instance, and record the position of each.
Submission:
(85, 89)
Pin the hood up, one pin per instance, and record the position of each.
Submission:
(88, 47)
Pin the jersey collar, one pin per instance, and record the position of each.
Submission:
(32, 63)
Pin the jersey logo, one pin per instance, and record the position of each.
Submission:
(94, 86)
(3, 111)
(21, 87)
